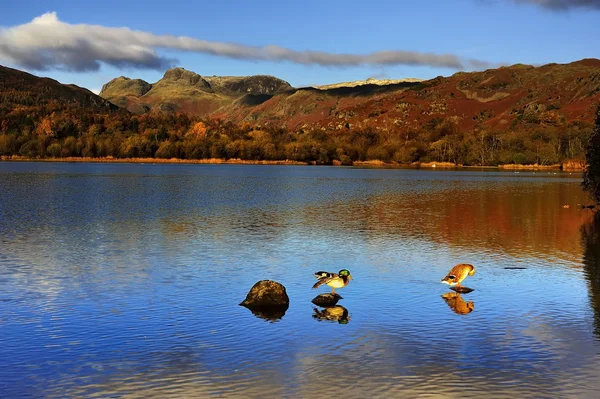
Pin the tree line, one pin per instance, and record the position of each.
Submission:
(61, 131)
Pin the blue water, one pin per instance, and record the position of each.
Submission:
(124, 279)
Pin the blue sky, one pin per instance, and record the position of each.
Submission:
(493, 31)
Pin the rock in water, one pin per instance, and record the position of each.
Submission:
(266, 294)
(462, 290)
(326, 300)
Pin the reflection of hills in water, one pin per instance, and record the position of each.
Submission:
(457, 303)
(336, 313)
(497, 215)
(590, 237)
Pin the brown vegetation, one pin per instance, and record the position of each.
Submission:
(546, 119)
(109, 159)
(529, 167)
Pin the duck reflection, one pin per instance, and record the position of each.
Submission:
(457, 303)
(590, 239)
(333, 313)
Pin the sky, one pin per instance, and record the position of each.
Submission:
(303, 42)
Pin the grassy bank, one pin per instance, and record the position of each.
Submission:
(529, 167)
(151, 160)
(374, 163)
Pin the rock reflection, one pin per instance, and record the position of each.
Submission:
(336, 313)
(269, 314)
(590, 237)
(457, 303)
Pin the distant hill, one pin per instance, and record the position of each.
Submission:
(18, 88)
(43, 106)
(501, 99)
(370, 81)
(184, 91)
(517, 114)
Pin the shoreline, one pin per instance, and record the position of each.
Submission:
(214, 161)
(237, 161)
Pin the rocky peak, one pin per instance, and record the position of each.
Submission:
(242, 85)
(184, 77)
(123, 86)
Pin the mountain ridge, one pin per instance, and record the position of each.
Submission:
(515, 114)
(180, 90)
(497, 98)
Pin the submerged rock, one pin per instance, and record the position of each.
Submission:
(462, 290)
(326, 300)
(267, 294)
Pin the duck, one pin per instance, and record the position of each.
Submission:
(458, 273)
(333, 280)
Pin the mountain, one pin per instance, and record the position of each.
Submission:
(18, 88)
(30, 104)
(500, 99)
(518, 114)
(370, 81)
(184, 91)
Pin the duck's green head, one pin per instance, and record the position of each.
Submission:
(345, 273)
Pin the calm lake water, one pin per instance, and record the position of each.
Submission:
(122, 280)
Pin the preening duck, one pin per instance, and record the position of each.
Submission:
(333, 280)
(458, 273)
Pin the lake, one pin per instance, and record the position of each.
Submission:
(123, 280)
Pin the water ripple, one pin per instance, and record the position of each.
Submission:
(124, 280)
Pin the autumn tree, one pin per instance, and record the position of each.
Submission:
(591, 176)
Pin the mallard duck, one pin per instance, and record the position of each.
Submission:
(333, 280)
(458, 273)
(457, 304)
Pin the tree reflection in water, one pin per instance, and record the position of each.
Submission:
(590, 238)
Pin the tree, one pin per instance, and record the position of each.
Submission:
(591, 176)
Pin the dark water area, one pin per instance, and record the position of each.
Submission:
(123, 280)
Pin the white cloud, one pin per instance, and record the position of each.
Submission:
(48, 43)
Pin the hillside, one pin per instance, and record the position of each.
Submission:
(43, 106)
(19, 88)
(500, 99)
(519, 114)
(370, 81)
(184, 91)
